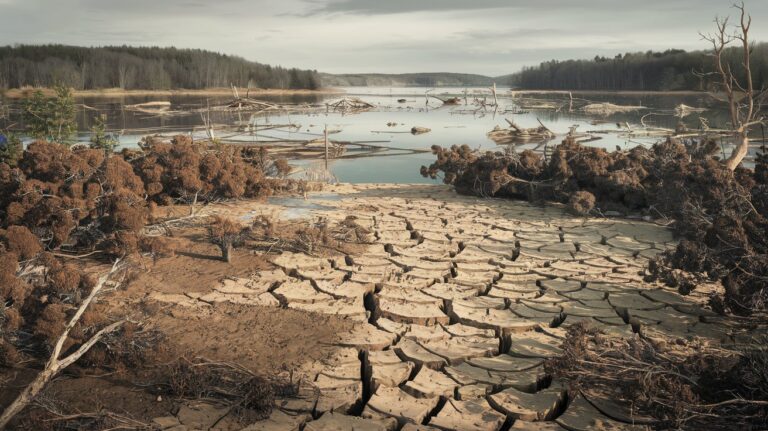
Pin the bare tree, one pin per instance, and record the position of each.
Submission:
(743, 100)
(54, 364)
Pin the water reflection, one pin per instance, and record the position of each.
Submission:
(396, 111)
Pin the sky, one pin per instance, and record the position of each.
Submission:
(489, 37)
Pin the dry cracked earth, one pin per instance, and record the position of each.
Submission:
(456, 304)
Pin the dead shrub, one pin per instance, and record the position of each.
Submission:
(581, 203)
(682, 384)
(20, 240)
(251, 395)
(226, 234)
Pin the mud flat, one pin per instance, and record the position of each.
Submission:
(446, 317)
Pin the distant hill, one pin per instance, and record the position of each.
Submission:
(441, 79)
(140, 68)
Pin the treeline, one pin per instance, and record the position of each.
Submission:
(150, 68)
(647, 71)
(406, 80)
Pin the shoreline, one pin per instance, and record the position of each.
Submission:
(611, 92)
(19, 93)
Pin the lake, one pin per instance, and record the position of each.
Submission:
(389, 123)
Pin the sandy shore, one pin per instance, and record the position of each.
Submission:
(118, 92)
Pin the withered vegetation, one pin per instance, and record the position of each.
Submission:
(720, 215)
(671, 383)
(59, 205)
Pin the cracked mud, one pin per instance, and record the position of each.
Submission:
(456, 304)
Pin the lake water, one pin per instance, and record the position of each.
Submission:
(450, 125)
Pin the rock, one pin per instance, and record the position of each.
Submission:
(420, 130)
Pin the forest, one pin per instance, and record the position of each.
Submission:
(406, 80)
(671, 70)
(146, 68)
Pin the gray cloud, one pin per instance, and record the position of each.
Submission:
(492, 37)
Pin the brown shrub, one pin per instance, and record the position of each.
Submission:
(581, 203)
(226, 234)
(51, 322)
(20, 240)
(12, 288)
(159, 247)
(11, 320)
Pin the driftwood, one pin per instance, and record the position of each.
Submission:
(54, 364)
(350, 104)
(609, 108)
(683, 110)
(420, 130)
(516, 133)
(154, 108)
(445, 101)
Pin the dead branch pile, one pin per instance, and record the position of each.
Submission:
(517, 134)
(667, 383)
(307, 236)
(721, 215)
(350, 104)
(247, 104)
(250, 396)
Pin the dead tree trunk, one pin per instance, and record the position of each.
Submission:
(744, 114)
(54, 364)
(226, 252)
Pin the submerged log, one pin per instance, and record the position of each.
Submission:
(516, 133)
(609, 108)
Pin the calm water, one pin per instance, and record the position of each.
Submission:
(450, 125)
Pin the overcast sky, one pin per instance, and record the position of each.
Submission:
(491, 37)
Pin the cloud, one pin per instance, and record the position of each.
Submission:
(491, 37)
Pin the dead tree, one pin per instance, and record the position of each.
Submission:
(744, 111)
(226, 235)
(54, 364)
